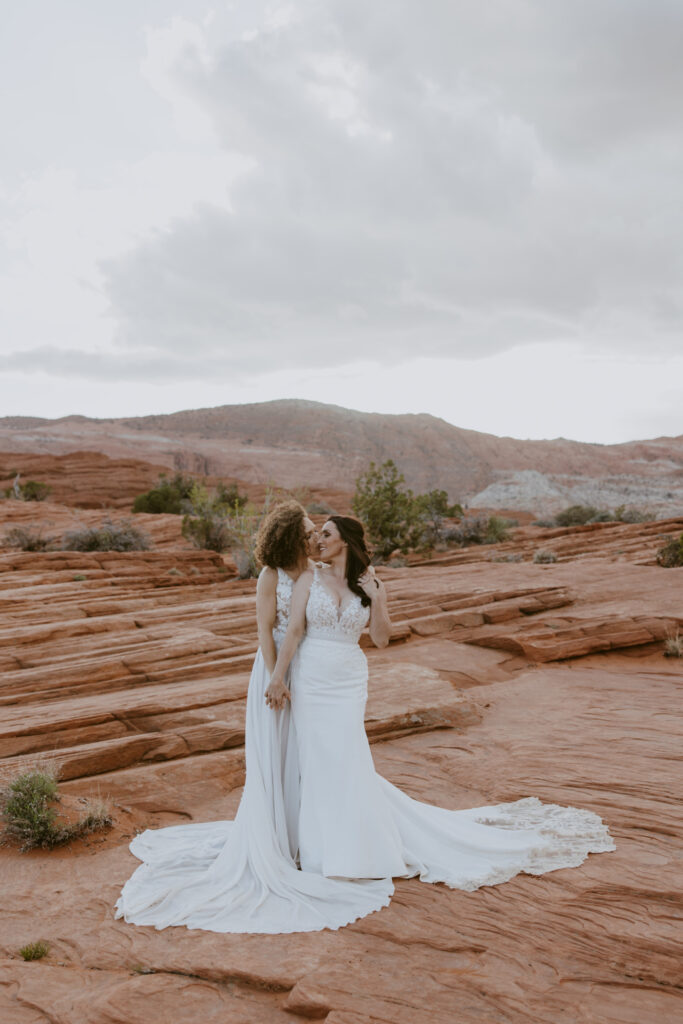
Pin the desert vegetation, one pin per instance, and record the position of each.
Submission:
(34, 950)
(110, 536)
(27, 538)
(216, 524)
(28, 811)
(32, 490)
(542, 557)
(673, 645)
(581, 515)
(670, 555)
(398, 520)
(174, 496)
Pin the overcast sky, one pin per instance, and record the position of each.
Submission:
(461, 207)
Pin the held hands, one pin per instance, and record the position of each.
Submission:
(276, 694)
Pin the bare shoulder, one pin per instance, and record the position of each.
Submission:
(267, 581)
(304, 581)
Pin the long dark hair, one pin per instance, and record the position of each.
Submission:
(357, 554)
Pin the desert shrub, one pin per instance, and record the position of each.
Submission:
(27, 538)
(29, 816)
(673, 645)
(388, 509)
(212, 526)
(633, 515)
(670, 555)
(32, 490)
(542, 557)
(478, 530)
(319, 508)
(497, 529)
(110, 536)
(34, 950)
(603, 515)
(230, 497)
(576, 515)
(168, 496)
(207, 530)
(432, 509)
(547, 523)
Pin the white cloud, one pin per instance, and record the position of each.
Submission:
(266, 191)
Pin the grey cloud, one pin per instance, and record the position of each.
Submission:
(505, 172)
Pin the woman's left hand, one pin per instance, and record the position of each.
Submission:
(276, 694)
(369, 583)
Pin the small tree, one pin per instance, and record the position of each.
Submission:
(387, 508)
(432, 509)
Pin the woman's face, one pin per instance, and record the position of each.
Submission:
(331, 543)
(311, 538)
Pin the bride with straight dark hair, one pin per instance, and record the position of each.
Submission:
(352, 822)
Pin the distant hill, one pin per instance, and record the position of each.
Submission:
(296, 443)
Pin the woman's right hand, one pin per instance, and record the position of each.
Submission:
(276, 694)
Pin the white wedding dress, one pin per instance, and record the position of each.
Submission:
(312, 795)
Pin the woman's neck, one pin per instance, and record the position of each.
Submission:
(338, 565)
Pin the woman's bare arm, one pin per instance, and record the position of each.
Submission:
(277, 693)
(380, 623)
(266, 615)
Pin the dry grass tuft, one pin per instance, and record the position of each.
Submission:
(34, 950)
(673, 646)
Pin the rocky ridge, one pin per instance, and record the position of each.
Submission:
(327, 447)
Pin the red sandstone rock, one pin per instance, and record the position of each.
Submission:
(136, 681)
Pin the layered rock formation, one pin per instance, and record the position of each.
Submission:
(504, 679)
(327, 447)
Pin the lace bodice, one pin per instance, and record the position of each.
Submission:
(283, 595)
(325, 620)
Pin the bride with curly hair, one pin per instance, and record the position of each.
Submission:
(243, 875)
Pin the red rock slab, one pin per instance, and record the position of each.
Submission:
(32, 993)
(595, 943)
(583, 638)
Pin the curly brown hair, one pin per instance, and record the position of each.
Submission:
(281, 539)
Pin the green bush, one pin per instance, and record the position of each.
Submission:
(110, 536)
(29, 816)
(478, 530)
(576, 515)
(168, 496)
(633, 515)
(497, 529)
(32, 490)
(544, 557)
(670, 555)
(27, 538)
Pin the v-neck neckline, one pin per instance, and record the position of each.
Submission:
(338, 606)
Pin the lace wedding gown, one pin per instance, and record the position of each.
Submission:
(311, 789)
